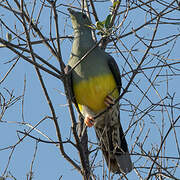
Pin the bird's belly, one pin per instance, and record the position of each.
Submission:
(93, 91)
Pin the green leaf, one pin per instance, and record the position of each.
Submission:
(108, 21)
(99, 25)
(115, 3)
(9, 37)
(91, 26)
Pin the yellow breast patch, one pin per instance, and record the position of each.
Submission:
(93, 91)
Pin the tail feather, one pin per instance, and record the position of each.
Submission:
(112, 140)
(117, 158)
(113, 143)
(124, 163)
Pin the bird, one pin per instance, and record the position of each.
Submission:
(95, 84)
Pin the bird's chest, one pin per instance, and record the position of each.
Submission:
(92, 91)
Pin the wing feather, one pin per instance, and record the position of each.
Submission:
(115, 71)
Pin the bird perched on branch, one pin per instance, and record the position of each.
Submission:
(95, 84)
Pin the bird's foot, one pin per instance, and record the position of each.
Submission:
(89, 121)
(109, 101)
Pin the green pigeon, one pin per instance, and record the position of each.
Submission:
(95, 84)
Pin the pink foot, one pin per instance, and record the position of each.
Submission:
(89, 121)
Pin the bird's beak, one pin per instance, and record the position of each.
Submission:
(70, 11)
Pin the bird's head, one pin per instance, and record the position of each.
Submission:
(79, 20)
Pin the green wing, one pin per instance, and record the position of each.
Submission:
(115, 71)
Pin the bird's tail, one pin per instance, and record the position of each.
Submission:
(113, 144)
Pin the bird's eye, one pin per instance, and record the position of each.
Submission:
(84, 16)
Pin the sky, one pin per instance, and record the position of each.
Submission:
(49, 163)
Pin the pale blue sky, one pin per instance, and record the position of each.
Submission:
(49, 163)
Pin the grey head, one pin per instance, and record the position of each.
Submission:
(79, 20)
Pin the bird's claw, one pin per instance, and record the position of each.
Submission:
(89, 121)
(109, 101)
